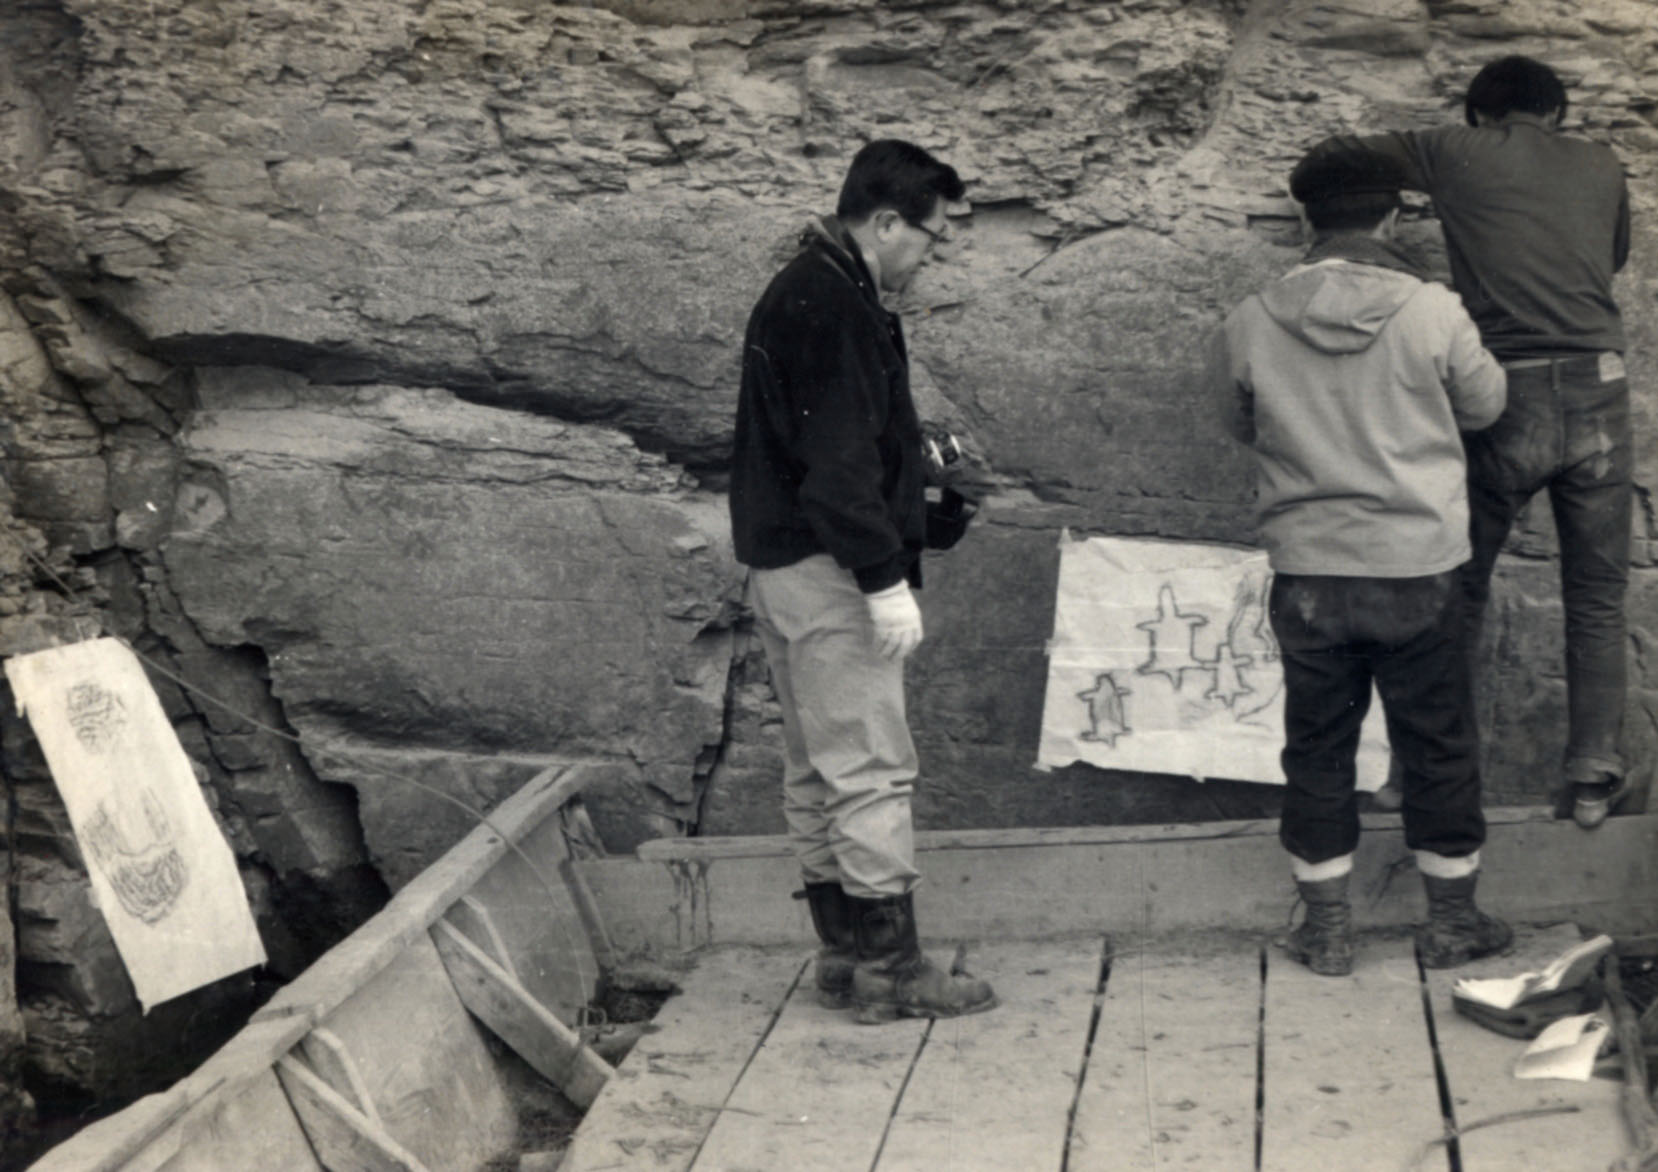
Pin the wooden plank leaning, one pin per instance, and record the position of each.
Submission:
(321, 988)
(344, 1138)
(495, 998)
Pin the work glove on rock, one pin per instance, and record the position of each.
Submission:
(897, 620)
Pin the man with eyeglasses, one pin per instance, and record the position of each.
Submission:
(828, 509)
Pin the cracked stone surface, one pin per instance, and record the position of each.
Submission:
(374, 363)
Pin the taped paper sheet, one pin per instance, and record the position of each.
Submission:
(1163, 661)
(161, 871)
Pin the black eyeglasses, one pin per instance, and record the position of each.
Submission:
(935, 237)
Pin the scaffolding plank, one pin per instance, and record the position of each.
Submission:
(1171, 1077)
(992, 1091)
(1348, 1068)
(661, 1101)
(818, 1094)
(495, 998)
(344, 1139)
(1505, 1122)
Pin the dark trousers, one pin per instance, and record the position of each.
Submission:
(1336, 636)
(1568, 431)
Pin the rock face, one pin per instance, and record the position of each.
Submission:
(371, 367)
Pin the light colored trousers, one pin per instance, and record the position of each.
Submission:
(849, 763)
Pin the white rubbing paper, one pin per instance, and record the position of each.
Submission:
(1163, 661)
(1566, 1049)
(1566, 971)
(161, 872)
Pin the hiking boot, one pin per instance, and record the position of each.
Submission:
(1324, 940)
(1457, 931)
(894, 979)
(832, 914)
(1594, 801)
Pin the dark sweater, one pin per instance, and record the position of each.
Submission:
(827, 455)
(1536, 223)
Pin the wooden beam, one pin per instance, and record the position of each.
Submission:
(333, 1064)
(766, 845)
(501, 1003)
(473, 920)
(344, 1138)
(694, 893)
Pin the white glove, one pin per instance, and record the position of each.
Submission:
(897, 620)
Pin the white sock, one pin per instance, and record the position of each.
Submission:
(1446, 867)
(1335, 868)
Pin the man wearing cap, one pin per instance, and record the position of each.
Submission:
(1350, 378)
(1536, 223)
(828, 509)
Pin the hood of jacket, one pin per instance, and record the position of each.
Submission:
(1339, 298)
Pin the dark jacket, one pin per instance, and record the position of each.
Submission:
(1536, 222)
(827, 455)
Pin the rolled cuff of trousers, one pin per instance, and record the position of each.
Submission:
(1335, 868)
(1447, 866)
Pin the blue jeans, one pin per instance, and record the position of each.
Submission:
(1336, 636)
(1566, 429)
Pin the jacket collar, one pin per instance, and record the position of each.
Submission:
(1364, 249)
(828, 236)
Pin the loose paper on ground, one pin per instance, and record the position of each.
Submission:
(1163, 661)
(161, 871)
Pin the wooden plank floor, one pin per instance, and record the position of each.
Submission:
(1211, 1053)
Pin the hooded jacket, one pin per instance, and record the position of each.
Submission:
(827, 453)
(1351, 379)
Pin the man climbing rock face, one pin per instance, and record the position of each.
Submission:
(828, 509)
(1350, 378)
(1536, 223)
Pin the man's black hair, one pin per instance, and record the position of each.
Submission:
(1514, 84)
(891, 173)
(1347, 187)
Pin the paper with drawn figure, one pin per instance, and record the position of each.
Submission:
(161, 871)
(1163, 661)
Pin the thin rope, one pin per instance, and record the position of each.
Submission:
(588, 987)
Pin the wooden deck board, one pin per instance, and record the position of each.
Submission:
(1348, 1064)
(661, 1102)
(1171, 1077)
(992, 1091)
(818, 1094)
(1479, 1066)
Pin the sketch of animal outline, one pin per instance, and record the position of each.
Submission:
(1107, 717)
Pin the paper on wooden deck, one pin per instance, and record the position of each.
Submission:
(161, 871)
(1163, 661)
(1505, 1122)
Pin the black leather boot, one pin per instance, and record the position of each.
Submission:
(894, 979)
(1457, 931)
(832, 917)
(1324, 940)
